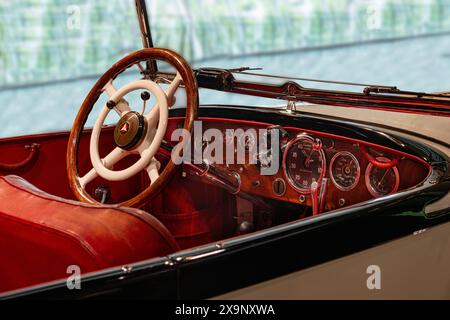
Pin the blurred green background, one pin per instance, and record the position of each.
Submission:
(52, 51)
(47, 40)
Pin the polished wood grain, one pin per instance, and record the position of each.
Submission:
(191, 88)
(412, 172)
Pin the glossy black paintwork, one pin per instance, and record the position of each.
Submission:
(277, 251)
(268, 259)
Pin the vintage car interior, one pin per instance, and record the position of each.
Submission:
(112, 195)
(324, 166)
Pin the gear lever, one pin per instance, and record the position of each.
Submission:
(315, 197)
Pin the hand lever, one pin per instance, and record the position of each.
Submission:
(315, 198)
(323, 194)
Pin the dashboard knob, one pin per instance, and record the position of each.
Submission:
(279, 187)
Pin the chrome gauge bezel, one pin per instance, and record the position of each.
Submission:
(358, 171)
(291, 143)
(369, 186)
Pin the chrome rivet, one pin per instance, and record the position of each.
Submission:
(341, 202)
(127, 269)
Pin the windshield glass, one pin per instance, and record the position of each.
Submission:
(52, 52)
(369, 41)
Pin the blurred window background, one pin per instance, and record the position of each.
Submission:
(52, 51)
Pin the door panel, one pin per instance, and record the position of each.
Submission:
(413, 267)
(48, 171)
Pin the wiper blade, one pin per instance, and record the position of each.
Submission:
(307, 79)
(395, 90)
(368, 88)
(387, 98)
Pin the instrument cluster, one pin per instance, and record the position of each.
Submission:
(349, 171)
(305, 162)
(318, 170)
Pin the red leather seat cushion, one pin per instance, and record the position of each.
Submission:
(41, 235)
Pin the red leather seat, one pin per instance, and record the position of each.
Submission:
(42, 235)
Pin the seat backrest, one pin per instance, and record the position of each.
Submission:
(42, 235)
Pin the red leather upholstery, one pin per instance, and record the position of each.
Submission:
(41, 235)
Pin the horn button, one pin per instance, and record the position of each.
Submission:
(129, 130)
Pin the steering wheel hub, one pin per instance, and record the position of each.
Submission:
(130, 130)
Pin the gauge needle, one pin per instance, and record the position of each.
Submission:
(382, 178)
(308, 159)
(348, 168)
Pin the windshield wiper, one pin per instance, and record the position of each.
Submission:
(388, 98)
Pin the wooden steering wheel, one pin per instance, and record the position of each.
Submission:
(135, 133)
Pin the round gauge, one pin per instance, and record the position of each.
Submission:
(344, 170)
(304, 163)
(381, 182)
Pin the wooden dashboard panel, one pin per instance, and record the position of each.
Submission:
(411, 171)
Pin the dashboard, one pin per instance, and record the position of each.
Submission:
(311, 168)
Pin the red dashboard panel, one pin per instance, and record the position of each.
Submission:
(48, 171)
(352, 171)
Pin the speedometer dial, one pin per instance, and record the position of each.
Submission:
(344, 171)
(304, 162)
(381, 181)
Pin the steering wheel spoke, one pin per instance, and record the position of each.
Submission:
(153, 170)
(109, 161)
(173, 87)
(122, 107)
(153, 114)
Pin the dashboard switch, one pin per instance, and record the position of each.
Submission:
(279, 187)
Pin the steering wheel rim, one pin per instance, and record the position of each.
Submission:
(191, 88)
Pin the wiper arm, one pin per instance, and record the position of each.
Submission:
(395, 90)
(388, 98)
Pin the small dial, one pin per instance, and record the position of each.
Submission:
(381, 182)
(344, 171)
(304, 163)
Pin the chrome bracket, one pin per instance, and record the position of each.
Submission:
(291, 106)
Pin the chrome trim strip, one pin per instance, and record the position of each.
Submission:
(120, 272)
(330, 215)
